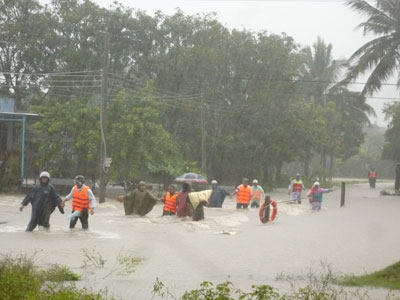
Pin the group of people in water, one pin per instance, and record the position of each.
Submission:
(44, 200)
(186, 203)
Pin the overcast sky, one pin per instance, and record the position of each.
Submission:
(304, 20)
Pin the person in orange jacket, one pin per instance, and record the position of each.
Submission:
(83, 203)
(170, 201)
(243, 194)
(372, 177)
(295, 188)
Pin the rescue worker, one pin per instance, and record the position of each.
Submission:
(83, 203)
(315, 195)
(372, 178)
(295, 188)
(44, 199)
(257, 193)
(170, 201)
(218, 195)
(243, 194)
(140, 201)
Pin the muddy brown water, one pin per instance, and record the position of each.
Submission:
(229, 244)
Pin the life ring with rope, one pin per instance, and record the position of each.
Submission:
(261, 212)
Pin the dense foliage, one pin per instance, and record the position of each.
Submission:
(379, 59)
(184, 94)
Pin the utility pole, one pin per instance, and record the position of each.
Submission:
(203, 167)
(104, 119)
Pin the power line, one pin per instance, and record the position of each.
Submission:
(72, 73)
(132, 80)
(83, 73)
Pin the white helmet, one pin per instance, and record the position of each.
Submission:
(316, 183)
(214, 182)
(255, 181)
(44, 174)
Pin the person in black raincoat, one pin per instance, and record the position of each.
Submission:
(218, 195)
(44, 200)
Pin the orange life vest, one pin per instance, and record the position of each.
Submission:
(372, 174)
(297, 186)
(170, 202)
(256, 195)
(243, 194)
(80, 199)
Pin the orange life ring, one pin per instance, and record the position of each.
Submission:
(274, 212)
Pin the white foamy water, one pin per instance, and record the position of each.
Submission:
(4, 228)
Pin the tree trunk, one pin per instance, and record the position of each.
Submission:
(278, 172)
(331, 166)
(203, 167)
(266, 173)
(323, 162)
(306, 164)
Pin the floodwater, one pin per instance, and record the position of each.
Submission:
(229, 244)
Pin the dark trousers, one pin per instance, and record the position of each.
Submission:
(84, 218)
(372, 182)
(33, 223)
(168, 213)
(198, 213)
(255, 204)
(40, 217)
(241, 205)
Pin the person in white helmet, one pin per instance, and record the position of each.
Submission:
(257, 193)
(218, 195)
(44, 199)
(315, 195)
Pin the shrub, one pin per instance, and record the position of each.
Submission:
(19, 278)
(57, 273)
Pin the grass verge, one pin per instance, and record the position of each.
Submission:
(388, 277)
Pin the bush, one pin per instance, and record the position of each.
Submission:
(57, 273)
(21, 279)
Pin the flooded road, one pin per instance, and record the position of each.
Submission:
(229, 244)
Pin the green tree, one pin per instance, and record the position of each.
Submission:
(345, 113)
(139, 145)
(70, 130)
(381, 53)
(391, 147)
(320, 72)
(27, 45)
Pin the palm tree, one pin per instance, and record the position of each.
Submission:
(320, 70)
(319, 73)
(382, 54)
(338, 105)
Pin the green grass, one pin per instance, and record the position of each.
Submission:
(388, 277)
(22, 279)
